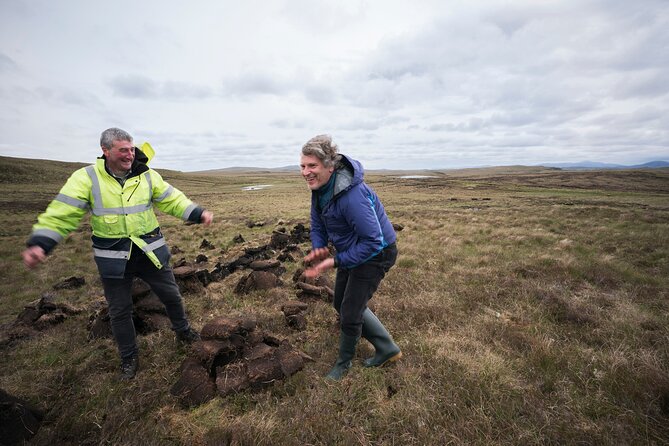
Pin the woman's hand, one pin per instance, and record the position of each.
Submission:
(320, 267)
(316, 254)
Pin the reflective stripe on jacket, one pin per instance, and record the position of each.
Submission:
(121, 216)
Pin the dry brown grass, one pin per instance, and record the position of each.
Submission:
(531, 307)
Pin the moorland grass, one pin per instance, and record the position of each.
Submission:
(531, 307)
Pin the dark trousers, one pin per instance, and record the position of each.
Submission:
(354, 287)
(119, 300)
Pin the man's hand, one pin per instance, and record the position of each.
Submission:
(33, 256)
(316, 254)
(319, 267)
(206, 218)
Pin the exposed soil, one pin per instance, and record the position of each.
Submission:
(234, 357)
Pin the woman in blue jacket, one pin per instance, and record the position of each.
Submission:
(348, 213)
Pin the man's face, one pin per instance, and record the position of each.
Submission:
(120, 156)
(314, 172)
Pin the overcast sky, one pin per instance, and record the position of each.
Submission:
(398, 84)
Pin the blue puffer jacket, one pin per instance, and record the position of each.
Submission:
(354, 219)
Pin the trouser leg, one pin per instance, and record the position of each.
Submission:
(119, 303)
(361, 283)
(341, 280)
(162, 283)
(353, 288)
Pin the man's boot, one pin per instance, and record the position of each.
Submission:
(374, 331)
(129, 367)
(187, 336)
(346, 352)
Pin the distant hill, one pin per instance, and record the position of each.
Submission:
(596, 165)
(654, 165)
(29, 170)
(23, 170)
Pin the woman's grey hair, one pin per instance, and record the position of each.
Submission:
(113, 134)
(324, 149)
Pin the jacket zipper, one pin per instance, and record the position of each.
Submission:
(133, 191)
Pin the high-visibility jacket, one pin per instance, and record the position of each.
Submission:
(122, 217)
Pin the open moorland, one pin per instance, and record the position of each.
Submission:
(532, 307)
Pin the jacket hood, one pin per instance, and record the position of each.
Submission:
(141, 157)
(348, 175)
(355, 167)
(146, 149)
(139, 165)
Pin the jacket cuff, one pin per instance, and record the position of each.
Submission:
(45, 243)
(196, 215)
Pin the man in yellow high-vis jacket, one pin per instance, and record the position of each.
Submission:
(120, 191)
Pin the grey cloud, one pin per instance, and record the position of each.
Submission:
(367, 137)
(256, 83)
(359, 125)
(371, 123)
(80, 98)
(320, 17)
(320, 94)
(182, 90)
(509, 19)
(50, 95)
(7, 64)
(518, 141)
(179, 147)
(652, 83)
(221, 153)
(141, 87)
(288, 124)
(253, 83)
(544, 63)
(240, 148)
(134, 86)
(373, 93)
(471, 125)
(514, 118)
(282, 123)
(206, 135)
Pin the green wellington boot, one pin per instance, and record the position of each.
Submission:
(346, 352)
(374, 331)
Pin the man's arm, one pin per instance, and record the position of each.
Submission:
(317, 233)
(61, 217)
(172, 201)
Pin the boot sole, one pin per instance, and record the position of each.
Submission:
(392, 359)
(396, 357)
